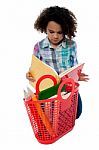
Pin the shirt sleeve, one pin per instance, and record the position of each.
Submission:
(73, 56)
(36, 50)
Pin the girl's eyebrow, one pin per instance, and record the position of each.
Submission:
(51, 30)
(54, 31)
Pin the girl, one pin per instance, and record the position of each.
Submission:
(58, 49)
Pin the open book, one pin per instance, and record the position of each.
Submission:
(39, 68)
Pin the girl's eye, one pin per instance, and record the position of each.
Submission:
(60, 32)
(51, 32)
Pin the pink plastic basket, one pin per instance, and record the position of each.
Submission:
(57, 115)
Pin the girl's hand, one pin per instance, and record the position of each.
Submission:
(83, 77)
(30, 77)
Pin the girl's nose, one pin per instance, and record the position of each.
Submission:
(55, 35)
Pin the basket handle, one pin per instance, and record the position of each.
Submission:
(66, 102)
(41, 79)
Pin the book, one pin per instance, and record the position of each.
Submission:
(38, 68)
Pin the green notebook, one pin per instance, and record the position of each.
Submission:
(49, 92)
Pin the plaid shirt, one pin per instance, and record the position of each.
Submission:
(61, 58)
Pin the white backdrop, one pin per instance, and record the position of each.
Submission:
(17, 38)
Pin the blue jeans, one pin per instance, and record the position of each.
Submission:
(79, 108)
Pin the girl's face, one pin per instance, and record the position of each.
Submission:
(54, 32)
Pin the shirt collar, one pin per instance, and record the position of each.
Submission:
(46, 43)
(64, 43)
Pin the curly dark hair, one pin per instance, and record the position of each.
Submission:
(60, 15)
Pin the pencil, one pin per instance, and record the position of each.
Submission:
(41, 114)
